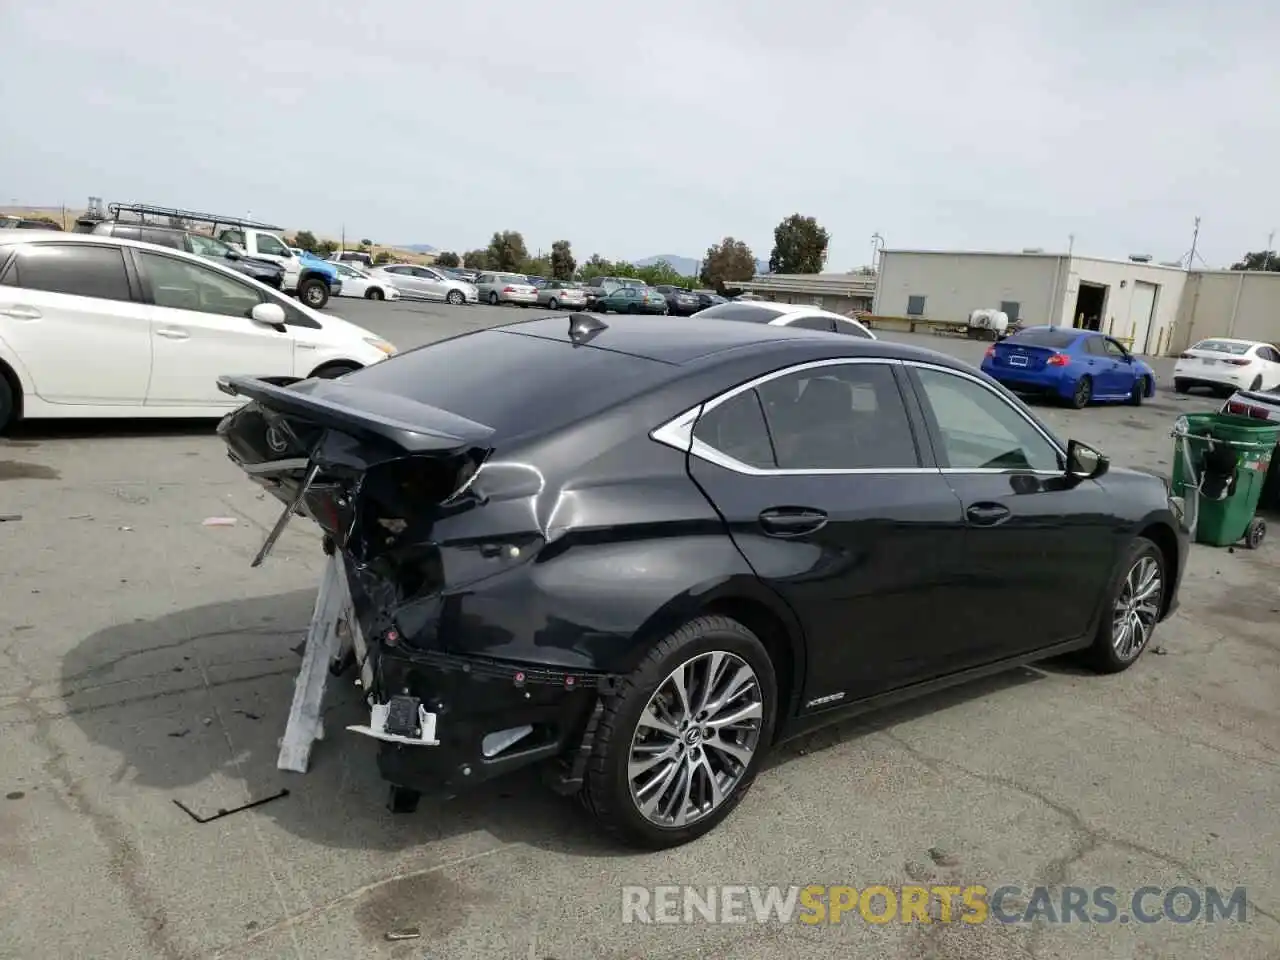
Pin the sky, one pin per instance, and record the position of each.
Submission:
(660, 128)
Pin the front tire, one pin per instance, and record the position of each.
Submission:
(681, 742)
(1134, 604)
(314, 292)
(1141, 390)
(1181, 386)
(375, 294)
(455, 298)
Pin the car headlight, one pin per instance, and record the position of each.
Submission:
(379, 344)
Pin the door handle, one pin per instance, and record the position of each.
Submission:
(173, 333)
(21, 313)
(792, 521)
(987, 514)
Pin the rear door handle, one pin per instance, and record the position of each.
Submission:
(21, 313)
(987, 514)
(173, 333)
(792, 521)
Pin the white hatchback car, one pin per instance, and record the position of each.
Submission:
(786, 315)
(95, 326)
(1224, 363)
(357, 283)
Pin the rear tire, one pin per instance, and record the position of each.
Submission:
(1083, 392)
(314, 292)
(1181, 386)
(374, 294)
(553, 304)
(1113, 649)
(698, 646)
(8, 405)
(493, 299)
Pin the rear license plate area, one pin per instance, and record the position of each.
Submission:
(1018, 360)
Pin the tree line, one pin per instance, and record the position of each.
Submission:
(799, 246)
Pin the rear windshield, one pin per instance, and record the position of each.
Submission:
(471, 376)
(1054, 339)
(1223, 346)
(740, 311)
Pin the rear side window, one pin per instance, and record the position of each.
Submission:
(1045, 337)
(814, 323)
(736, 428)
(750, 312)
(77, 269)
(841, 417)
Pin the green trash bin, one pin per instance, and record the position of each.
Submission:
(1202, 439)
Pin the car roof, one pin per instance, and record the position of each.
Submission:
(688, 340)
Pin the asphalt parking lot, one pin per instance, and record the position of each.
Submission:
(145, 663)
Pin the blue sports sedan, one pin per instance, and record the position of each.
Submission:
(1079, 366)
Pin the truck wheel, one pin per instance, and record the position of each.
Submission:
(314, 292)
(681, 741)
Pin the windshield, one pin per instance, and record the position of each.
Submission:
(1044, 337)
(1223, 346)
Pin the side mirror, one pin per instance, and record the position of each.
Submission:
(1085, 462)
(268, 315)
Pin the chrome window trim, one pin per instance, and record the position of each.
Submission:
(678, 431)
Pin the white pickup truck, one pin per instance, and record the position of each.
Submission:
(307, 277)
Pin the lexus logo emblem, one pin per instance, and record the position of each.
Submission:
(276, 440)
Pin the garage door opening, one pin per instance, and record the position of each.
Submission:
(1091, 302)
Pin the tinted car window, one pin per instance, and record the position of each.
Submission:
(847, 417)
(980, 430)
(1045, 337)
(182, 285)
(852, 329)
(270, 245)
(814, 323)
(737, 429)
(1094, 345)
(164, 238)
(458, 375)
(77, 269)
(740, 311)
(1113, 349)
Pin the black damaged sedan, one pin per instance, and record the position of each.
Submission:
(640, 552)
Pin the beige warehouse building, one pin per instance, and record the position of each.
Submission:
(1156, 309)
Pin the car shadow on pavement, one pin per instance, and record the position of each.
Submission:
(191, 706)
(94, 429)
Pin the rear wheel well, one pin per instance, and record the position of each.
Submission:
(772, 632)
(1167, 542)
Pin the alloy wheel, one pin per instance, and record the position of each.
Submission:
(1084, 392)
(1137, 608)
(695, 739)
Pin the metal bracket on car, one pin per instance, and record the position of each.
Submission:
(377, 727)
(290, 509)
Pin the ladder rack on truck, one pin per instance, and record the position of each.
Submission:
(144, 210)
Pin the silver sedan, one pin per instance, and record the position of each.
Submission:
(562, 293)
(423, 283)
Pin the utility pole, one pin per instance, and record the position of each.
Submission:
(1071, 245)
(1195, 236)
(1266, 257)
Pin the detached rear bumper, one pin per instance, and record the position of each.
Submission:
(489, 717)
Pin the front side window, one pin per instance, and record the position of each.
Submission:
(271, 246)
(232, 236)
(182, 285)
(1113, 349)
(80, 270)
(979, 429)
